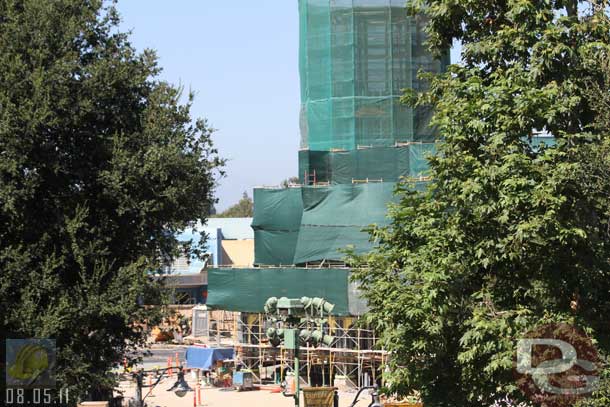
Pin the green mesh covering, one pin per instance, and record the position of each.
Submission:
(276, 224)
(418, 162)
(311, 224)
(334, 218)
(356, 57)
(246, 290)
(546, 140)
(387, 164)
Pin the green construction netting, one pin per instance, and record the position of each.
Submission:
(325, 220)
(356, 57)
(276, 224)
(334, 218)
(548, 141)
(418, 162)
(387, 164)
(246, 290)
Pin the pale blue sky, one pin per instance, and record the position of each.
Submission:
(241, 59)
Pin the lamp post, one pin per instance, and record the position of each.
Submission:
(180, 387)
(375, 400)
(293, 320)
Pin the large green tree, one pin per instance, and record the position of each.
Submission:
(510, 233)
(100, 165)
(598, 174)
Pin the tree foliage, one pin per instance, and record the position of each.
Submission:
(510, 233)
(100, 165)
(290, 181)
(242, 209)
(601, 397)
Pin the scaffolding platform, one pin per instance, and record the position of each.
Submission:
(353, 358)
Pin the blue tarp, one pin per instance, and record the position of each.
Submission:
(204, 358)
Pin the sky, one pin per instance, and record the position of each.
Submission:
(240, 58)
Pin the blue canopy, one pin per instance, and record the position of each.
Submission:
(204, 358)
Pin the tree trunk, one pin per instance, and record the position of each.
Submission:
(572, 8)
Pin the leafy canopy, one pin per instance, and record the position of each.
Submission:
(242, 209)
(100, 165)
(510, 233)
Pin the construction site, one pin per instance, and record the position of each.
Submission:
(357, 141)
(353, 357)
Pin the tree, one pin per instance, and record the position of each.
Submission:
(101, 166)
(510, 233)
(598, 177)
(243, 209)
(289, 181)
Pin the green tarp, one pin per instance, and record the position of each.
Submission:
(334, 218)
(276, 224)
(310, 224)
(246, 290)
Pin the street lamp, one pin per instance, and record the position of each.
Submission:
(375, 402)
(295, 317)
(180, 387)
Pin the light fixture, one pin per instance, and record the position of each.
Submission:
(305, 335)
(271, 305)
(181, 387)
(320, 337)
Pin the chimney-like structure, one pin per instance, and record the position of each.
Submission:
(356, 58)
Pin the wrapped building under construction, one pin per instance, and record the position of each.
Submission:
(357, 141)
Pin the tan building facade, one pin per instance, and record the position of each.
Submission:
(237, 253)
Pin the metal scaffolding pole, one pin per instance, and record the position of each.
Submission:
(352, 354)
